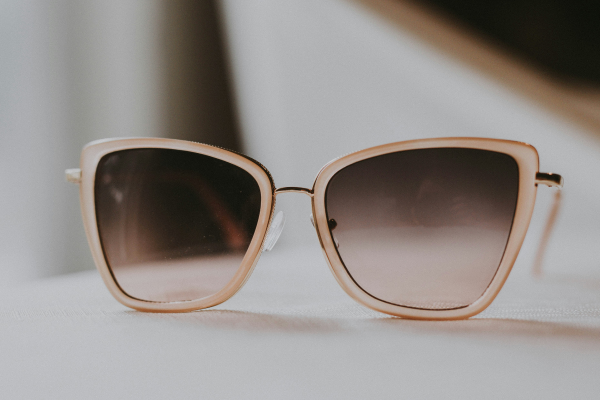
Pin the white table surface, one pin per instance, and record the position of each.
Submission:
(291, 332)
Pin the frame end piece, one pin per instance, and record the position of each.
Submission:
(73, 175)
(549, 179)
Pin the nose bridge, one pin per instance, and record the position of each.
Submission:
(294, 189)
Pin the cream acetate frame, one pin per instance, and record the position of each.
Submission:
(91, 156)
(525, 156)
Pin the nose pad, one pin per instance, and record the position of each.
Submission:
(274, 231)
(332, 225)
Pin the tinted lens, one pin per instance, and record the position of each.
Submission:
(174, 225)
(424, 228)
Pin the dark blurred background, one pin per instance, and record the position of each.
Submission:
(198, 94)
(561, 37)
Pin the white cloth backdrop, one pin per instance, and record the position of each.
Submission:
(70, 72)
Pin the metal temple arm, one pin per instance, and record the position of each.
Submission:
(556, 181)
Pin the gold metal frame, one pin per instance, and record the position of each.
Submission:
(529, 177)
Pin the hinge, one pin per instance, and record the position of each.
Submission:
(549, 179)
(73, 175)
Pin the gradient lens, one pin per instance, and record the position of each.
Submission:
(174, 225)
(424, 228)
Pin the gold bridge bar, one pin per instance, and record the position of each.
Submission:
(293, 189)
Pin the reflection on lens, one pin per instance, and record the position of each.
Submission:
(424, 228)
(174, 225)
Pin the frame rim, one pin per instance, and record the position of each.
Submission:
(527, 160)
(93, 152)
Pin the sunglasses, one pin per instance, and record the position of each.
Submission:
(425, 229)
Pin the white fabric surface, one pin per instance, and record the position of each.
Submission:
(291, 332)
